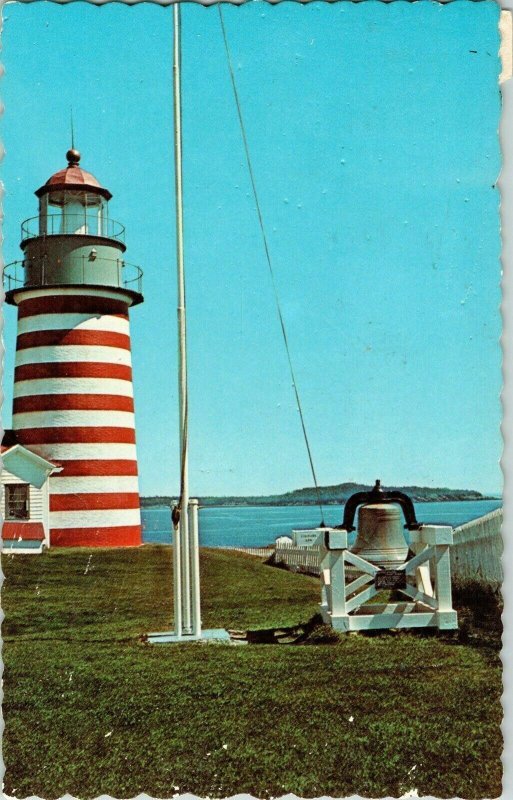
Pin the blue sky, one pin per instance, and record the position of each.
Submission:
(373, 132)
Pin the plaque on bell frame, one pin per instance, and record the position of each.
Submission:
(390, 579)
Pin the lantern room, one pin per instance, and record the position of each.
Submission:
(73, 202)
(73, 241)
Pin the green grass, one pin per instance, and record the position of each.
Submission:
(91, 710)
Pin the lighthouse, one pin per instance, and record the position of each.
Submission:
(73, 395)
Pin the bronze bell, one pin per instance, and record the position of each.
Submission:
(380, 538)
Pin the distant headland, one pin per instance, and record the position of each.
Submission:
(330, 495)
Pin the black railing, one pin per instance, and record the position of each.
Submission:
(124, 275)
(71, 224)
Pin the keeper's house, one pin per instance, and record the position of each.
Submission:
(25, 498)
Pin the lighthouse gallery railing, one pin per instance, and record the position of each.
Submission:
(68, 224)
(127, 276)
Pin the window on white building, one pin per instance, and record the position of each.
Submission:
(17, 501)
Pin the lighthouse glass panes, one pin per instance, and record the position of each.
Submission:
(73, 397)
(73, 212)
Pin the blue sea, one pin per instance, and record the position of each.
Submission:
(258, 526)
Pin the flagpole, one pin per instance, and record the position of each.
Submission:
(186, 566)
(182, 571)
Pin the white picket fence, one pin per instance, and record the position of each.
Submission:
(475, 555)
(304, 559)
(261, 552)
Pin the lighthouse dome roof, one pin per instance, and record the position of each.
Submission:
(73, 177)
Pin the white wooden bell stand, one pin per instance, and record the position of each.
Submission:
(345, 599)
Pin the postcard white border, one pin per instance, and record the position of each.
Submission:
(505, 183)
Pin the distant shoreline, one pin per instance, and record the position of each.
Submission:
(255, 502)
(302, 505)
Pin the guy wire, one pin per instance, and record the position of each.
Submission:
(268, 257)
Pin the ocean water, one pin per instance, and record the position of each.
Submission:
(257, 526)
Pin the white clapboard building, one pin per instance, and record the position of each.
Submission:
(25, 498)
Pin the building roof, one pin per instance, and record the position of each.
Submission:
(44, 462)
(73, 177)
(24, 463)
(26, 531)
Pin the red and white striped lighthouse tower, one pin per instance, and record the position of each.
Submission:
(73, 398)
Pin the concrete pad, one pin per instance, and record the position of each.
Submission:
(209, 635)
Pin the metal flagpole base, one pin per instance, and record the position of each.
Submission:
(209, 635)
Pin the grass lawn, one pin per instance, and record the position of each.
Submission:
(91, 710)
